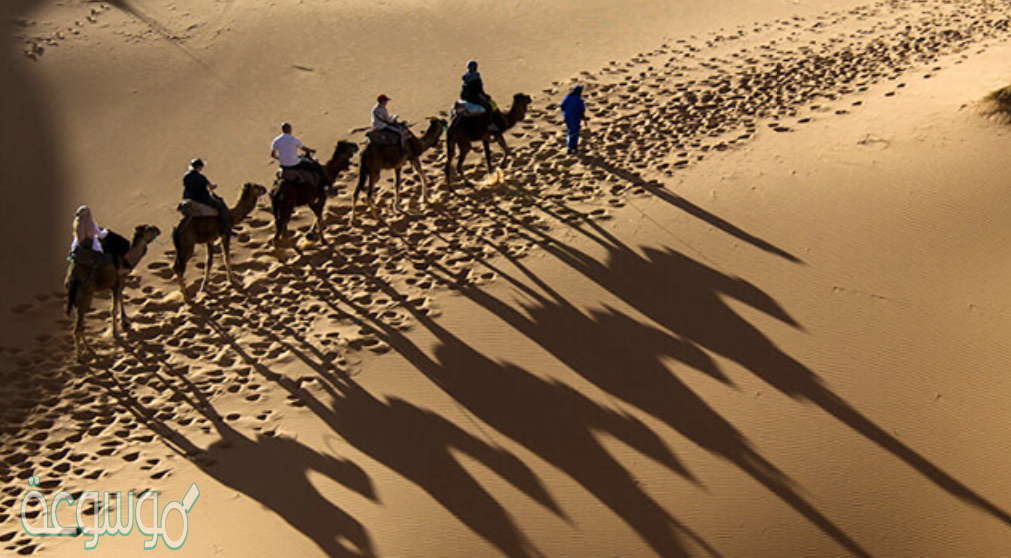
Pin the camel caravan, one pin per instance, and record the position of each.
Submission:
(101, 260)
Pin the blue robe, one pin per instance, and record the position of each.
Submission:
(573, 110)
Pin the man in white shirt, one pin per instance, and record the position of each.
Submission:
(286, 148)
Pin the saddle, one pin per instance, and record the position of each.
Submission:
(465, 108)
(387, 136)
(114, 248)
(311, 178)
(307, 171)
(191, 208)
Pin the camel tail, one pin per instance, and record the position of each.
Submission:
(363, 173)
(275, 200)
(178, 262)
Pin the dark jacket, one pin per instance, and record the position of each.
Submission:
(196, 187)
(473, 89)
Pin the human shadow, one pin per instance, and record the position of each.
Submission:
(688, 207)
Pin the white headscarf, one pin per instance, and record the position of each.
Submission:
(86, 231)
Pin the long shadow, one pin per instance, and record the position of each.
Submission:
(269, 469)
(623, 357)
(687, 298)
(557, 423)
(415, 443)
(552, 420)
(419, 444)
(688, 207)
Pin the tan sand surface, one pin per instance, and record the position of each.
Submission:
(762, 315)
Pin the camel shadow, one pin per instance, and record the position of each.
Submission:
(272, 470)
(417, 444)
(624, 358)
(688, 299)
(557, 423)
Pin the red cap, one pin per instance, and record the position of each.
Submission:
(382, 98)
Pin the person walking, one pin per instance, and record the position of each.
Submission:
(574, 112)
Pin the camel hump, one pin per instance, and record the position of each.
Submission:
(115, 246)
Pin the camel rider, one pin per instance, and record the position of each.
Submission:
(473, 92)
(86, 246)
(383, 123)
(199, 191)
(286, 148)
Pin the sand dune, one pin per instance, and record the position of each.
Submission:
(760, 315)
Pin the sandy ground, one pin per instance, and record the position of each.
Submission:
(760, 316)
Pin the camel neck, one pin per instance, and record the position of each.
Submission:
(430, 138)
(243, 208)
(515, 115)
(137, 250)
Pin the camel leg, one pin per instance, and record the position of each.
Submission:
(118, 299)
(318, 211)
(207, 267)
(182, 286)
(114, 314)
(487, 154)
(370, 195)
(500, 139)
(464, 150)
(396, 190)
(81, 347)
(281, 218)
(450, 149)
(362, 177)
(424, 179)
(226, 254)
(184, 251)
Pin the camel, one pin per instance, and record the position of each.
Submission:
(377, 157)
(467, 129)
(288, 195)
(191, 231)
(83, 282)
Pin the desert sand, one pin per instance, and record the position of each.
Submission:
(760, 315)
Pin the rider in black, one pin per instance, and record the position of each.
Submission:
(473, 92)
(197, 188)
